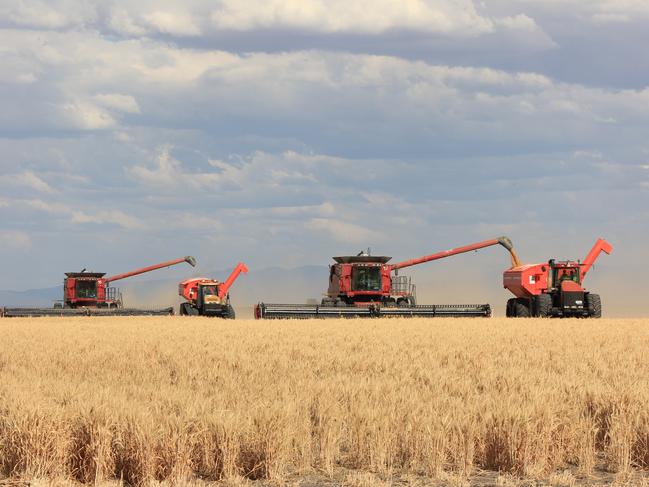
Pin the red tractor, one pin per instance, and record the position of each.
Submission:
(555, 288)
(208, 297)
(364, 285)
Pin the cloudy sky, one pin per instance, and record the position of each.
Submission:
(281, 132)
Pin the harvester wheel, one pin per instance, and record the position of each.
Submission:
(522, 308)
(543, 305)
(510, 309)
(182, 311)
(402, 303)
(594, 303)
(230, 314)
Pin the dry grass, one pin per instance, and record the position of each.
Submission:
(180, 399)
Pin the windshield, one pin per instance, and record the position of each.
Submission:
(86, 289)
(366, 278)
(562, 274)
(209, 291)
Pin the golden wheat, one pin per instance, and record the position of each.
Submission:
(176, 399)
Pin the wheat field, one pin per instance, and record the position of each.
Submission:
(140, 400)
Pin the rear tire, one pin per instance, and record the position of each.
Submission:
(510, 309)
(522, 307)
(543, 305)
(594, 303)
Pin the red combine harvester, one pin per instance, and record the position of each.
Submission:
(555, 288)
(208, 297)
(363, 285)
(89, 293)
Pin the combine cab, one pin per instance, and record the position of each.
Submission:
(90, 294)
(368, 286)
(555, 288)
(208, 297)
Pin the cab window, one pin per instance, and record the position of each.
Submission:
(366, 278)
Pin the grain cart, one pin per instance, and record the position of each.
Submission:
(90, 293)
(208, 297)
(365, 285)
(554, 288)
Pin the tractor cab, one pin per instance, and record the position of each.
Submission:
(86, 289)
(358, 278)
(366, 278)
(564, 271)
(208, 294)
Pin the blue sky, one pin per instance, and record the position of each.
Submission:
(284, 132)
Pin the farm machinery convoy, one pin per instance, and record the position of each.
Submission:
(360, 286)
(90, 293)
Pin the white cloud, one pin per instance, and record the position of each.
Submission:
(169, 173)
(122, 22)
(85, 115)
(91, 213)
(28, 180)
(176, 23)
(598, 11)
(116, 217)
(51, 14)
(122, 103)
(12, 239)
(191, 18)
(343, 231)
(369, 16)
(90, 83)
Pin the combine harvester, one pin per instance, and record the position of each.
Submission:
(90, 294)
(208, 297)
(555, 288)
(363, 285)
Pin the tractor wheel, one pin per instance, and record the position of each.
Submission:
(229, 313)
(543, 305)
(522, 308)
(510, 309)
(182, 310)
(594, 305)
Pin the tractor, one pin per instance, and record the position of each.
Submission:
(554, 288)
(209, 297)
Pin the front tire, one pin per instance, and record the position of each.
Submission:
(522, 307)
(594, 303)
(510, 309)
